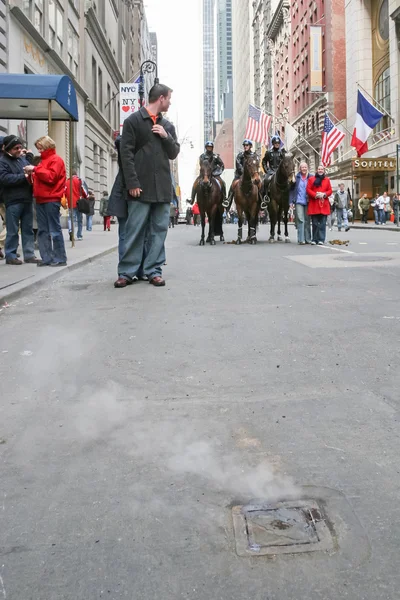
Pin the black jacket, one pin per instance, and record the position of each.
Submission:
(272, 159)
(215, 160)
(14, 184)
(118, 200)
(145, 157)
(240, 161)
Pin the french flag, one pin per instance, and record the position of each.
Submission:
(367, 118)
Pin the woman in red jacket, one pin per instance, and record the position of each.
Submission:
(48, 188)
(318, 191)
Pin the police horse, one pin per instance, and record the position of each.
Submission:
(279, 186)
(246, 194)
(209, 199)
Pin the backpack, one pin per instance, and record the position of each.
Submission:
(83, 205)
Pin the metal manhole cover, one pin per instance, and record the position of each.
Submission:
(363, 258)
(281, 528)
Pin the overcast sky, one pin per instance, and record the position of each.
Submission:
(178, 31)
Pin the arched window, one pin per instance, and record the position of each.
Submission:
(382, 96)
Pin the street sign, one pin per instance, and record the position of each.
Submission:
(129, 101)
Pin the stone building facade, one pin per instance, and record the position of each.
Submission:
(372, 62)
(278, 37)
(243, 67)
(99, 45)
(307, 107)
(263, 75)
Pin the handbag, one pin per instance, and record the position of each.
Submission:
(83, 206)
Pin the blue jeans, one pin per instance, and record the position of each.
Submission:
(303, 224)
(318, 228)
(121, 236)
(50, 236)
(342, 219)
(145, 232)
(77, 221)
(17, 215)
(89, 222)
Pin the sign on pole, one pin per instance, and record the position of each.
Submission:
(129, 101)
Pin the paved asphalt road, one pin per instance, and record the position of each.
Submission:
(133, 420)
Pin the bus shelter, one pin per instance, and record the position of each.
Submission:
(41, 98)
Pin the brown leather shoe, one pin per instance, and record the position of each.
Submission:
(122, 282)
(13, 261)
(157, 281)
(32, 260)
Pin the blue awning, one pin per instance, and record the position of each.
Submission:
(26, 97)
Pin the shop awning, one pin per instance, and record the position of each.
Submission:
(27, 97)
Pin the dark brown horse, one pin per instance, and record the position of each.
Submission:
(209, 199)
(247, 200)
(278, 207)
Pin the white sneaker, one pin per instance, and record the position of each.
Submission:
(320, 243)
(313, 243)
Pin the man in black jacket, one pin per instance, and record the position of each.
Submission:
(148, 144)
(17, 195)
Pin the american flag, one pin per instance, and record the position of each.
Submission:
(258, 125)
(332, 137)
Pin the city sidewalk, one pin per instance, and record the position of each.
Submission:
(371, 225)
(16, 280)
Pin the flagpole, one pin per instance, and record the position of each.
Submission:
(308, 144)
(369, 148)
(339, 122)
(376, 102)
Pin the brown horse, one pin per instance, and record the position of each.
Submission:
(279, 193)
(209, 199)
(247, 199)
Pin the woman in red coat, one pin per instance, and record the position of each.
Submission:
(318, 191)
(48, 188)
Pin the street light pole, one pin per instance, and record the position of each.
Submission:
(397, 168)
(148, 66)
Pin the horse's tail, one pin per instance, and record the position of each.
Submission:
(218, 223)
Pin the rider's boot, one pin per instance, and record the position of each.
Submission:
(265, 200)
(224, 198)
(227, 201)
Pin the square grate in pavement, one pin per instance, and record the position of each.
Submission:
(281, 528)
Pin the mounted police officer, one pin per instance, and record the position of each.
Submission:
(270, 163)
(247, 151)
(218, 168)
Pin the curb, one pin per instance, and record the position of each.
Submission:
(35, 285)
(374, 228)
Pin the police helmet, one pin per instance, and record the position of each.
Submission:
(276, 139)
(247, 143)
(209, 144)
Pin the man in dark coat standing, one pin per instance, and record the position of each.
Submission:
(148, 143)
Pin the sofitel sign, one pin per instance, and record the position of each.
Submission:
(385, 163)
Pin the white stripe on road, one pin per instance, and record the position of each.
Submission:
(337, 249)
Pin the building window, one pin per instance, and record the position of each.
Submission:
(73, 50)
(75, 4)
(94, 81)
(100, 88)
(59, 29)
(108, 103)
(382, 96)
(56, 26)
(52, 23)
(38, 16)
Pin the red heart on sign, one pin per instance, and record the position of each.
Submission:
(126, 108)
